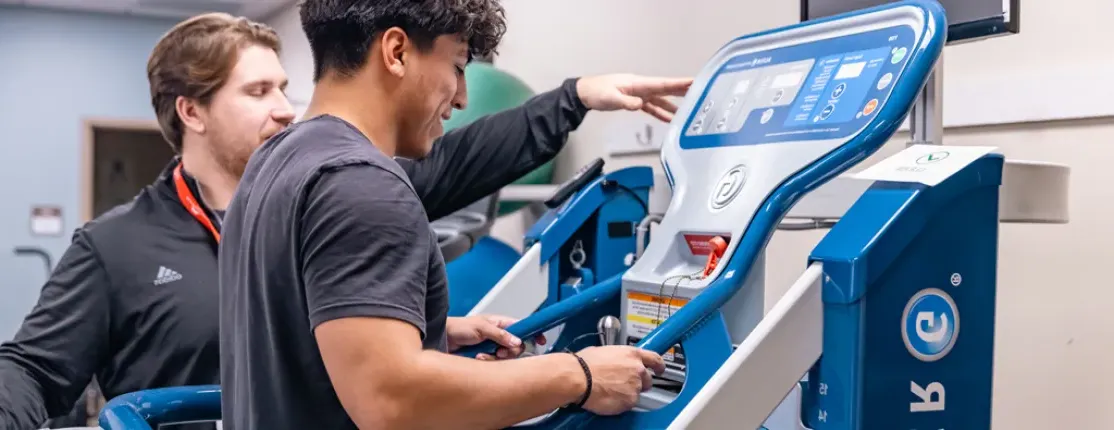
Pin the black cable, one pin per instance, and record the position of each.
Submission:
(607, 183)
(572, 343)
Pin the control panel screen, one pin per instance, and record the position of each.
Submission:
(820, 90)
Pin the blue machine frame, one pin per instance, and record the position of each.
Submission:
(600, 218)
(591, 216)
(144, 410)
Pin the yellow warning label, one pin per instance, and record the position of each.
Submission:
(645, 312)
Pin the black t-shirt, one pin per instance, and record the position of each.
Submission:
(325, 226)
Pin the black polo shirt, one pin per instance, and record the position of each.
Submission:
(325, 226)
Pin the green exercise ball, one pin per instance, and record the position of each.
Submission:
(491, 90)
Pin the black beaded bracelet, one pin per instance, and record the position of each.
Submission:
(588, 376)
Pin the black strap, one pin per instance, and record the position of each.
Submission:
(588, 386)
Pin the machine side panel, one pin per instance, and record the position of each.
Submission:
(886, 220)
(929, 324)
(922, 264)
(833, 396)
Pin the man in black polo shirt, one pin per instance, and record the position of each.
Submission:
(133, 301)
(333, 291)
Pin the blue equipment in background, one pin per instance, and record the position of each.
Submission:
(874, 321)
(473, 274)
(474, 261)
(587, 234)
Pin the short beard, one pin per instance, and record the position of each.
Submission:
(231, 160)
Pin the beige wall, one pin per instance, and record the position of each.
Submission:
(1054, 297)
(1054, 303)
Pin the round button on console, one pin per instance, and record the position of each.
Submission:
(728, 187)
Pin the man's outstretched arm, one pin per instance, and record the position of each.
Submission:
(60, 345)
(476, 160)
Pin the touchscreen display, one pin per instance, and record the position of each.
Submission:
(820, 90)
(735, 94)
(837, 87)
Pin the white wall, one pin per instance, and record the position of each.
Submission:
(1054, 303)
(296, 57)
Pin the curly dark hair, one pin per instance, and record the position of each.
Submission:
(341, 32)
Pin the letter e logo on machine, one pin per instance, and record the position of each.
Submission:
(930, 324)
(728, 187)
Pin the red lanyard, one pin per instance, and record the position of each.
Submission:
(190, 203)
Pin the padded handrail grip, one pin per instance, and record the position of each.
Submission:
(148, 409)
(553, 315)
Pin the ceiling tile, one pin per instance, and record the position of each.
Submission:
(109, 6)
(254, 9)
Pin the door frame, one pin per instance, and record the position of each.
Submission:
(87, 178)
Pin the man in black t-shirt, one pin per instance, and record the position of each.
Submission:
(333, 292)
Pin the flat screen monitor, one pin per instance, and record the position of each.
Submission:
(968, 20)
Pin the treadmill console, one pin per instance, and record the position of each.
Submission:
(822, 90)
(767, 108)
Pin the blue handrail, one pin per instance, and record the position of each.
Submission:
(149, 409)
(553, 315)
